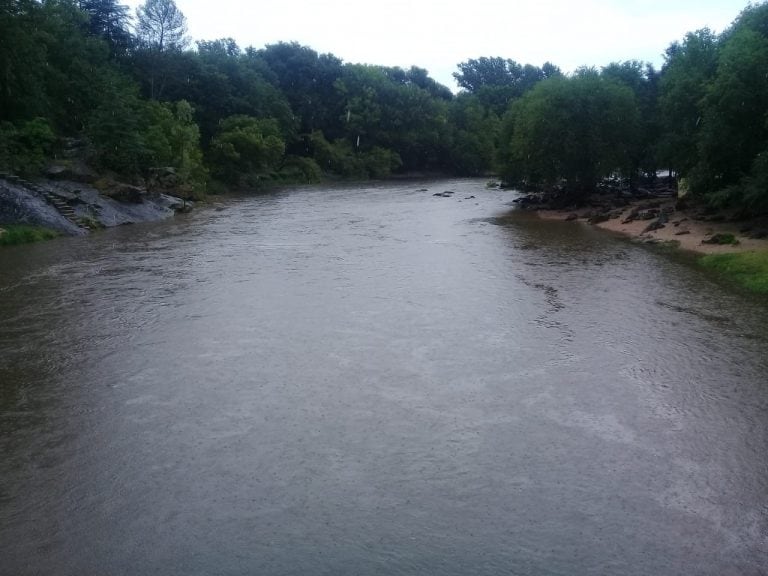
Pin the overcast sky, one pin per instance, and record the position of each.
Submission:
(438, 34)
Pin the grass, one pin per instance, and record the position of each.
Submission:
(749, 269)
(18, 234)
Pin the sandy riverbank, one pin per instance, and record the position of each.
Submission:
(682, 228)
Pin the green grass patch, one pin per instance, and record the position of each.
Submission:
(749, 269)
(18, 234)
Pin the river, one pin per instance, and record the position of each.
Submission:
(371, 380)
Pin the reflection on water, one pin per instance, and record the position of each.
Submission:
(377, 381)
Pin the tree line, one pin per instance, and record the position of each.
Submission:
(140, 95)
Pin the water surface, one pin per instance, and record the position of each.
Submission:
(374, 380)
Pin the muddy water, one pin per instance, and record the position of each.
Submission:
(374, 380)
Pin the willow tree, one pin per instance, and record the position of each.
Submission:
(571, 131)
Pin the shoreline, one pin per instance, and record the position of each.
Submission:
(684, 228)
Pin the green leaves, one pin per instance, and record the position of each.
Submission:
(689, 68)
(573, 131)
(172, 139)
(24, 148)
(714, 101)
(246, 148)
(475, 130)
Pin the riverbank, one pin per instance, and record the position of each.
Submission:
(686, 229)
(75, 208)
(737, 250)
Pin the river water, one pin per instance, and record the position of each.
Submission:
(374, 380)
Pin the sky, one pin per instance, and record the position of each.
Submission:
(438, 34)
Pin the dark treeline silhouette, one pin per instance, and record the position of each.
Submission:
(140, 95)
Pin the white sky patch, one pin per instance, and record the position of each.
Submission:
(437, 35)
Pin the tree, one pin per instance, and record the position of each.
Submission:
(161, 28)
(109, 20)
(307, 79)
(22, 61)
(114, 128)
(473, 138)
(643, 80)
(161, 25)
(688, 69)
(497, 81)
(573, 131)
(172, 139)
(732, 141)
(398, 116)
(246, 148)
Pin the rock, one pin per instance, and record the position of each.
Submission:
(682, 232)
(571, 217)
(721, 239)
(469, 198)
(597, 218)
(655, 225)
(163, 178)
(18, 205)
(70, 207)
(649, 214)
(527, 201)
(758, 234)
(74, 171)
(126, 193)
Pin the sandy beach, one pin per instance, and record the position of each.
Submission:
(682, 228)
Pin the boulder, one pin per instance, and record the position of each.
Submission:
(648, 214)
(597, 218)
(163, 178)
(73, 171)
(657, 224)
(126, 193)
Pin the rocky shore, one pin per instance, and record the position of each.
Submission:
(73, 207)
(662, 219)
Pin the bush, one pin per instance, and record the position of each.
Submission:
(24, 148)
(300, 169)
(246, 148)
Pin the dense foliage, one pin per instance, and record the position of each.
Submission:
(143, 97)
(704, 116)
